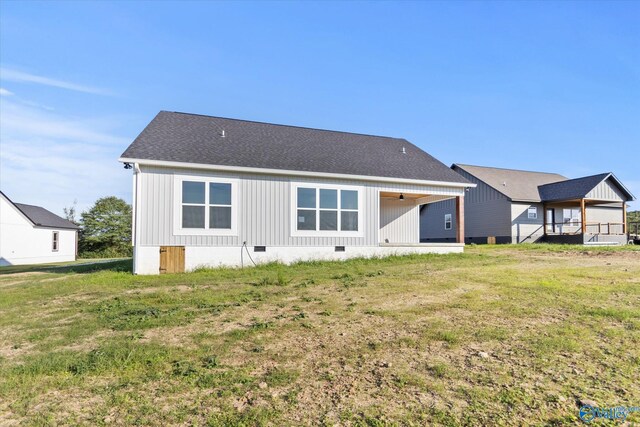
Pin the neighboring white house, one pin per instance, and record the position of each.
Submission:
(33, 235)
(515, 206)
(210, 191)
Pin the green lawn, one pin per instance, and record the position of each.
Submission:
(500, 335)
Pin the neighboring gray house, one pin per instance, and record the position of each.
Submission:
(211, 191)
(514, 206)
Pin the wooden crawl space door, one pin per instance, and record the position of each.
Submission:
(171, 259)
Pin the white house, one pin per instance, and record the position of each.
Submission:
(33, 235)
(210, 191)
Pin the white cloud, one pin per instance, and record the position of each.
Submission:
(5, 92)
(30, 120)
(50, 160)
(22, 77)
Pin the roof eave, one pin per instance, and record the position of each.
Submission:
(526, 200)
(266, 171)
(55, 227)
(621, 185)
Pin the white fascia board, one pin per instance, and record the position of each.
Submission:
(291, 172)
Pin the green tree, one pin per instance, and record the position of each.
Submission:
(633, 219)
(70, 213)
(106, 229)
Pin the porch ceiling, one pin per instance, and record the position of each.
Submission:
(418, 198)
(407, 196)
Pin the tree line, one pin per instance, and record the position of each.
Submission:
(633, 218)
(105, 229)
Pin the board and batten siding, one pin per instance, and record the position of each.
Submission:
(263, 211)
(399, 221)
(606, 190)
(432, 221)
(487, 213)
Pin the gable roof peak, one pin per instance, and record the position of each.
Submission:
(578, 188)
(40, 216)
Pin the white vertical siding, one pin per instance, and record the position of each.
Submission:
(264, 210)
(399, 221)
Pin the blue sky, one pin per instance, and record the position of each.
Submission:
(539, 86)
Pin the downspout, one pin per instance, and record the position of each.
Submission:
(134, 216)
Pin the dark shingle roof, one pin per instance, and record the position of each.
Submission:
(190, 138)
(43, 218)
(577, 188)
(515, 184)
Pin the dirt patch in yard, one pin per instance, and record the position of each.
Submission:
(11, 351)
(172, 288)
(498, 336)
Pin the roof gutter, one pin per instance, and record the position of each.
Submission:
(164, 163)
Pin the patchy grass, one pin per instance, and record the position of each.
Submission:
(78, 266)
(510, 335)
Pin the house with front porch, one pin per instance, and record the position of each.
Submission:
(211, 191)
(516, 206)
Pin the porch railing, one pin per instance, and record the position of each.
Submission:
(575, 227)
(605, 228)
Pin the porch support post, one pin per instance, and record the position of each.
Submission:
(544, 218)
(583, 216)
(624, 217)
(460, 219)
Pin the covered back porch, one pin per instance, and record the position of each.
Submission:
(400, 218)
(587, 210)
(584, 220)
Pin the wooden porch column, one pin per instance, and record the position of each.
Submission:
(544, 219)
(624, 217)
(460, 219)
(583, 216)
